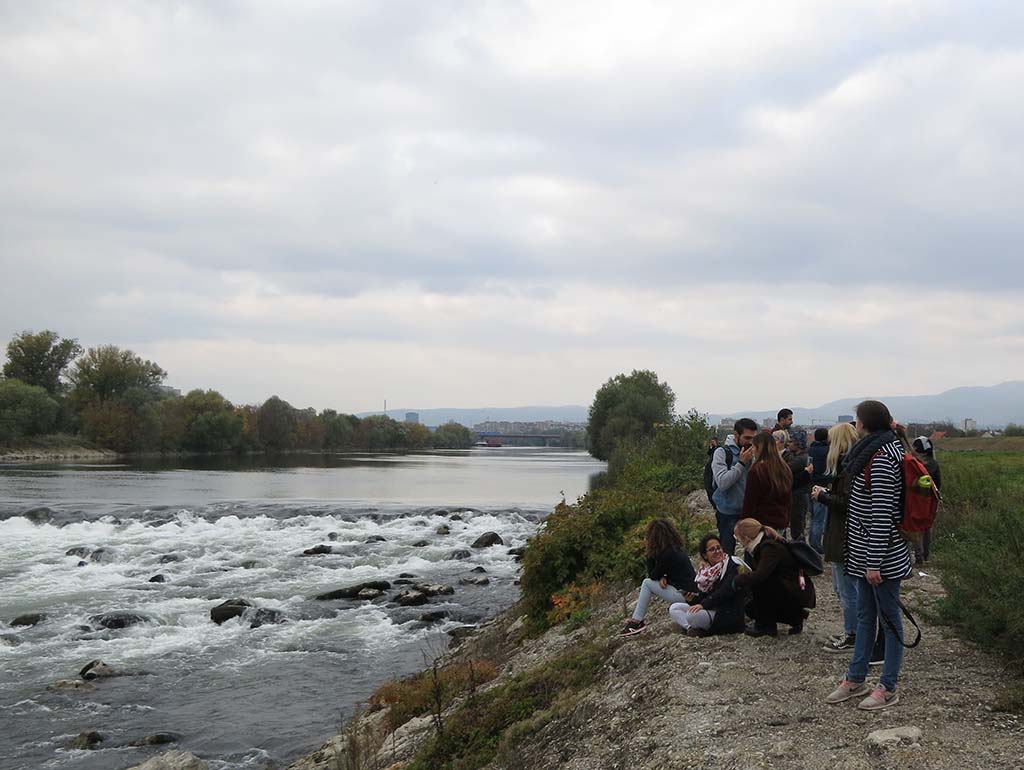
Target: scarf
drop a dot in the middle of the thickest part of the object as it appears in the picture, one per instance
(861, 453)
(709, 574)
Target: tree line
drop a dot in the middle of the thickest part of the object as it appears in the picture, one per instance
(117, 400)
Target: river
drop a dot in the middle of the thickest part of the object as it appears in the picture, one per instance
(243, 697)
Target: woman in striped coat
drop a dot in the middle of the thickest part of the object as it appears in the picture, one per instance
(876, 555)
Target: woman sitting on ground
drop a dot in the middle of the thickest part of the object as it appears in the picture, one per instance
(669, 570)
(717, 606)
(769, 489)
(780, 592)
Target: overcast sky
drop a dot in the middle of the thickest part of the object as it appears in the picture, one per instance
(502, 203)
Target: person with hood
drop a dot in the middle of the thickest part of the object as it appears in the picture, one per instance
(780, 592)
(729, 466)
(717, 606)
(877, 557)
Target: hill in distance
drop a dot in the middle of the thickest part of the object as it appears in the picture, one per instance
(993, 406)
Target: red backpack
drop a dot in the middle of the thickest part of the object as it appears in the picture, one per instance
(920, 498)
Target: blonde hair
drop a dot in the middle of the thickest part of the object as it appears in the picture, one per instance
(840, 438)
(747, 529)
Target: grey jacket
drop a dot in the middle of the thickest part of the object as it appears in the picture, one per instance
(730, 483)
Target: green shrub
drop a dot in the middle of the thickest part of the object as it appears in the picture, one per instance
(25, 410)
(419, 694)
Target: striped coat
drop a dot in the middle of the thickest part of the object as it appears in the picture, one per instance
(873, 541)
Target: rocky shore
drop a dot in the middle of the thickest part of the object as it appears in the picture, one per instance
(55, 455)
(663, 700)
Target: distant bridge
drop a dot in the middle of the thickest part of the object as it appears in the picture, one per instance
(495, 438)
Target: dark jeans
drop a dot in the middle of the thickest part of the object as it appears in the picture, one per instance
(922, 550)
(819, 517)
(798, 513)
(872, 600)
(726, 527)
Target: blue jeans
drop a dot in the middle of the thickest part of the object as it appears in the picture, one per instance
(651, 588)
(846, 589)
(726, 525)
(870, 601)
(819, 514)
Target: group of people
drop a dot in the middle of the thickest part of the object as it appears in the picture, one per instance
(766, 484)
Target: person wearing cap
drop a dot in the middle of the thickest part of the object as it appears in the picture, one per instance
(924, 450)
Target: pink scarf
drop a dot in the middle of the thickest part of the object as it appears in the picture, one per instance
(709, 574)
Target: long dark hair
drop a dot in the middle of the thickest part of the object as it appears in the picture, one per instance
(779, 474)
(662, 534)
(874, 416)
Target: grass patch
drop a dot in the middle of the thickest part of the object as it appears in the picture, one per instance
(499, 719)
(430, 691)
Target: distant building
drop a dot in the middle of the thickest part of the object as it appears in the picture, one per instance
(412, 416)
(845, 418)
(727, 422)
(970, 424)
(768, 422)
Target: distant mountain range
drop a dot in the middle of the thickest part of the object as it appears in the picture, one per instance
(471, 417)
(989, 406)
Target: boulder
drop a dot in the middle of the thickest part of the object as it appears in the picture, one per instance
(102, 556)
(474, 581)
(173, 760)
(81, 551)
(82, 564)
(72, 684)
(406, 575)
(263, 616)
(96, 669)
(83, 741)
(116, 620)
(39, 515)
(433, 589)
(411, 598)
(879, 740)
(169, 558)
(351, 592)
(421, 544)
(317, 550)
(158, 579)
(375, 539)
(369, 593)
(156, 739)
(435, 616)
(232, 608)
(517, 553)
(403, 582)
(30, 619)
(460, 553)
(333, 536)
(487, 539)
(455, 517)
(444, 529)
(480, 570)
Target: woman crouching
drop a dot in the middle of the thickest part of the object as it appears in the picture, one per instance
(780, 592)
(669, 569)
(717, 606)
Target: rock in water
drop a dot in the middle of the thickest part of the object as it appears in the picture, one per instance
(157, 739)
(80, 551)
(369, 593)
(232, 608)
(28, 620)
(517, 553)
(487, 539)
(478, 569)
(474, 581)
(460, 553)
(435, 616)
(71, 684)
(95, 669)
(351, 592)
(376, 539)
(173, 760)
(444, 529)
(39, 515)
(115, 620)
(411, 598)
(317, 550)
(9, 640)
(263, 617)
(433, 590)
(102, 556)
(158, 579)
(90, 740)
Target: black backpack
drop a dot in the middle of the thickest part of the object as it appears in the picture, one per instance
(709, 477)
(806, 557)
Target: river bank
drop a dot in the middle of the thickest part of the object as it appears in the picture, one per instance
(663, 700)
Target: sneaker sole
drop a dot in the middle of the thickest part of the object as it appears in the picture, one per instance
(892, 702)
(851, 696)
(830, 648)
(633, 632)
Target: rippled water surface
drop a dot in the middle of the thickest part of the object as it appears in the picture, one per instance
(238, 696)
